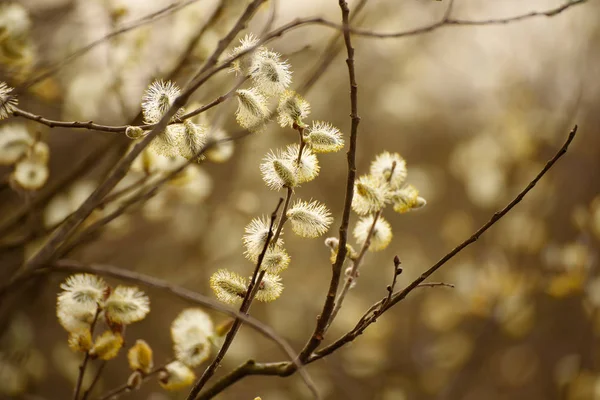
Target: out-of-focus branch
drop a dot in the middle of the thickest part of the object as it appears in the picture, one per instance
(376, 310)
(336, 269)
(88, 161)
(186, 55)
(71, 266)
(146, 19)
(119, 171)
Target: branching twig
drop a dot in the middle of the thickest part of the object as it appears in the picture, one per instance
(286, 369)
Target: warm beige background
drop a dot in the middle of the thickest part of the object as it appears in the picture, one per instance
(475, 111)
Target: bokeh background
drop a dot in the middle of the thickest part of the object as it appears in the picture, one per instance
(476, 111)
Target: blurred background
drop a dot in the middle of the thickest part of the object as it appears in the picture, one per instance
(476, 111)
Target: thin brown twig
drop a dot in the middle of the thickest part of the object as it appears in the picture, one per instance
(328, 306)
(246, 302)
(397, 297)
(284, 369)
(193, 43)
(88, 391)
(86, 358)
(357, 262)
(114, 393)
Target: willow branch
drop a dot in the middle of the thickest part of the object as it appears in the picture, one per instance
(328, 306)
(246, 302)
(367, 319)
(380, 307)
(119, 171)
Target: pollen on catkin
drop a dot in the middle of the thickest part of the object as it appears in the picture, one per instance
(307, 166)
(8, 102)
(292, 109)
(381, 168)
(322, 137)
(242, 64)
(334, 244)
(191, 332)
(255, 236)
(169, 142)
(370, 195)
(107, 345)
(381, 235)
(252, 112)
(278, 171)
(193, 140)
(276, 260)
(126, 305)
(82, 290)
(157, 99)
(228, 286)
(309, 219)
(80, 340)
(140, 357)
(270, 75)
(175, 376)
(270, 288)
(407, 199)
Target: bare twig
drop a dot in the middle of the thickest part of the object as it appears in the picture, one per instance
(328, 306)
(193, 43)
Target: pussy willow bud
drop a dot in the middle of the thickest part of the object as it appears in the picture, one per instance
(134, 132)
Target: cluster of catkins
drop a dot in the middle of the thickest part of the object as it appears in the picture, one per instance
(284, 168)
(383, 185)
(19, 149)
(87, 302)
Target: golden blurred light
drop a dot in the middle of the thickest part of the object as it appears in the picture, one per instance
(517, 365)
